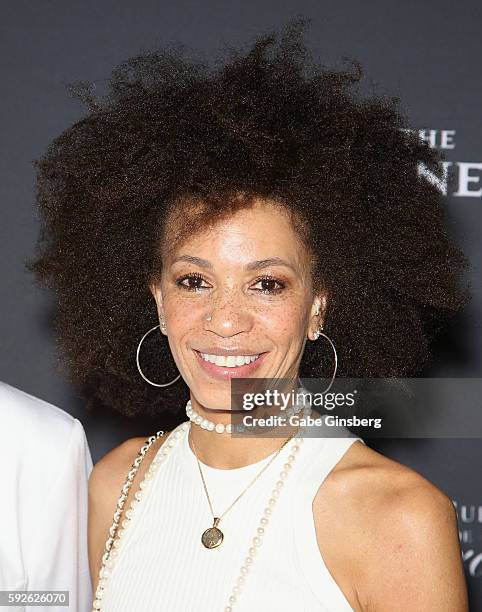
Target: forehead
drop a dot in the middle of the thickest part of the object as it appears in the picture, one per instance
(261, 231)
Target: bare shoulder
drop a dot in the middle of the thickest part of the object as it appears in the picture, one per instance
(364, 478)
(388, 535)
(105, 485)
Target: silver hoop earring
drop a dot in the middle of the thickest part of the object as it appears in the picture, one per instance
(317, 334)
(139, 367)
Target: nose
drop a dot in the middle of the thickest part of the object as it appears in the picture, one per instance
(228, 316)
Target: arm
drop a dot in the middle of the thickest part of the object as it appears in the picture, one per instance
(416, 561)
(389, 537)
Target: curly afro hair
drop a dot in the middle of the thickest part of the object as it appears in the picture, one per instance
(266, 121)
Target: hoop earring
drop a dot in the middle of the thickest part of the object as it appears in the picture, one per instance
(139, 367)
(317, 334)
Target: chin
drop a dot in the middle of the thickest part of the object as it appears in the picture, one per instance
(214, 398)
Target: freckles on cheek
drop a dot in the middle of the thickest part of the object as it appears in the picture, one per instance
(180, 312)
(184, 324)
(180, 306)
(284, 322)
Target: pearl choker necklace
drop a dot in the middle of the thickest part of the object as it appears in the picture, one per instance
(220, 428)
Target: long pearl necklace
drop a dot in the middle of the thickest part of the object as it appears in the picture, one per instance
(116, 536)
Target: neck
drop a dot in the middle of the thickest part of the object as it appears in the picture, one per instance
(223, 452)
(228, 451)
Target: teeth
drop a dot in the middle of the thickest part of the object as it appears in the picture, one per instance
(231, 361)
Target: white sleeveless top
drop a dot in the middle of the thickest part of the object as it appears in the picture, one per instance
(159, 562)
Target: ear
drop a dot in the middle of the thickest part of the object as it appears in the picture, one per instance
(155, 289)
(318, 313)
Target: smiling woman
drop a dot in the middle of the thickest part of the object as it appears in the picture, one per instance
(251, 277)
(242, 209)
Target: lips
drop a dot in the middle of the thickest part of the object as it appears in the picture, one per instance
(227, 366)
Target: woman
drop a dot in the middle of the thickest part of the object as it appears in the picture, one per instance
(241, 210)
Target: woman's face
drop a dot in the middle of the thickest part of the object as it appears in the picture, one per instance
(251, 276)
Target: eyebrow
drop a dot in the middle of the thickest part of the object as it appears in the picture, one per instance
(258, 264)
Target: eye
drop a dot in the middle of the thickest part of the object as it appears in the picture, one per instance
(268, 285)
(194, 282)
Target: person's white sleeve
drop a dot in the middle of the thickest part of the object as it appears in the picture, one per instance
(58, 552)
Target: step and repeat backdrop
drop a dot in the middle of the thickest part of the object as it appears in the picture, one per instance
(429, 54)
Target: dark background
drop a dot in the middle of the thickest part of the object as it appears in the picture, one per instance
(427, 53)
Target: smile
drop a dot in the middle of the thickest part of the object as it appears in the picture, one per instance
(224, 367)
(229, 361)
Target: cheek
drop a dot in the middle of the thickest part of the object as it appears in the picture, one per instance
(285, 324)
(183, 319)
(181, 311)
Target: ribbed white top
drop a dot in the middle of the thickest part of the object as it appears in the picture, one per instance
(161, 563)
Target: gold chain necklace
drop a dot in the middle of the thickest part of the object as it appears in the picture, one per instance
(213, 536)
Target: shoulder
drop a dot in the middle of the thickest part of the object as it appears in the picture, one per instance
(376, 484)
(397, 530)
(112, 468)
(109, 473)
(105, 484)
(19, 410)
(49, 434)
